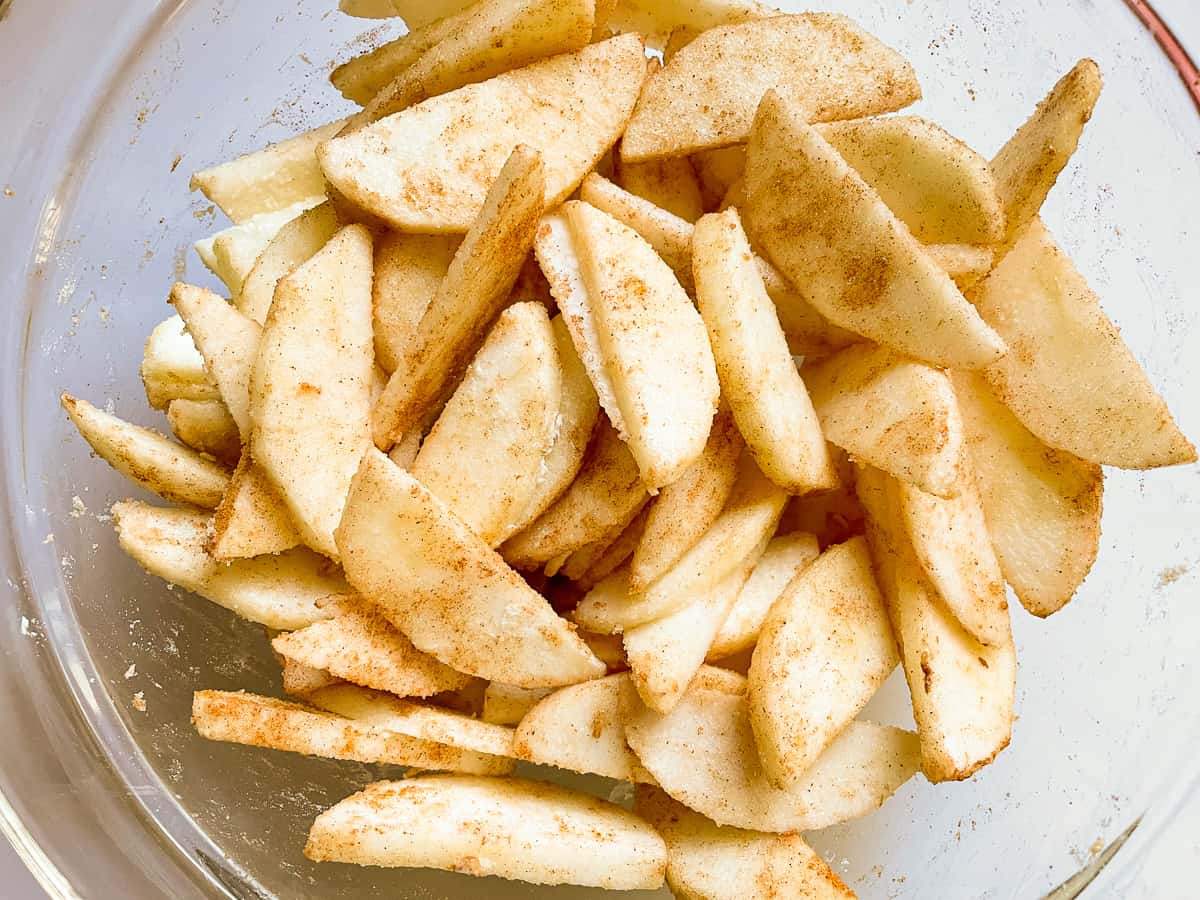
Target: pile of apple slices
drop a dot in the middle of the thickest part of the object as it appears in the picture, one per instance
(633, 418)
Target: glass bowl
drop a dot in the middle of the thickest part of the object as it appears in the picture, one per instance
(109, 105)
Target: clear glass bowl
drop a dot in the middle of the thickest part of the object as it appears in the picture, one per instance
(107, 107)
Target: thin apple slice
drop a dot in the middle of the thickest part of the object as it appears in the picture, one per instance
(504, 704)
(1027, 167)
(666, 393)
(706, 96)
(669, 184)
(836, 240)
(443, 587)
(894, 413)
(292, 246)
(579, 729)
(363, 648)
(714, 863)
(206, 427)
(310, 390)
(684, 511)
(228, 341)
(409, 270)
(484, 455)
(1071, 379)
(149, 459)
(703, 754)
(784, 559)
(240, 718)
(757, 373)
(962, 691)
(826, 647)
(502, 827)
(1043, 506)
(253, 519)
(172, 367)
(430, 167)
(288, 591)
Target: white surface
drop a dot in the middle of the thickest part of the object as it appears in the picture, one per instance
(1165, 874)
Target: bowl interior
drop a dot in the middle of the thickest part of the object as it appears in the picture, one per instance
(1107, 718)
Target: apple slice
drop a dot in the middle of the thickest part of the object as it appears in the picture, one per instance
(442, 586)
(253, 519)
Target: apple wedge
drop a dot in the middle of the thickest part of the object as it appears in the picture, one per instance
(894, 413)
(706, 96)
(228, 341)
(826, 647)
(944, 192)
(362, 77)
(685, 510)
(506, 828)
(1071, 379)
(206, 427)
(301, 681)
(1027, 167)
(707, 862)
(951, 542)
(784, 559)
(172, 367)
(430, 167)
(231, 254)
(283, 592)
(665, 655)
(310, 390)
(268, 180)
(599, 504)
(757, 373)
(579, 729)
(363, 648)
(427, 723)
(748, 519)
(590, 565)
(962, 691)
(666, 392)
(255, 721)
(476, 288)
(836, 240)
(483, 457)
(293, 245)
(669, 184)
(578, 413)
(487, 39)
(1042, 506)
(703, 754)
(504, 704)
(442, 586)
(252, 519)
(149, 459)
(409, 270)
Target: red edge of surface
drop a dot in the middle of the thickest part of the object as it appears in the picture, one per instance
(1171, 46)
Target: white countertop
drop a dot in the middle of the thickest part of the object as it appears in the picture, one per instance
(1167, 872)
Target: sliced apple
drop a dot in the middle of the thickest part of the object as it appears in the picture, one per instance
(483, 457)
(310, 391)
(504, 704)
(703, 754)
(292, 246)
(706, 96)
(1042, 506)
(579, 729)
(409, 270)
(206, 427)
(507, 828)
(444, 588)
(826, 647)
(149, 459)
(172, 367)
(669, 184)
(252, 520)
(430, 167)
(894, 413)
(836, 240)
(1071, 379)
(363, 648)
(962, 691)
(285, 592)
